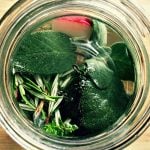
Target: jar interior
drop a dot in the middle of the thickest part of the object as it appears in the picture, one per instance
(26, 23)
(73, 76)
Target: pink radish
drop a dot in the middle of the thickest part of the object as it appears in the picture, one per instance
(74, 26)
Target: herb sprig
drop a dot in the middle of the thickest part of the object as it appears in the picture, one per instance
(34, 95)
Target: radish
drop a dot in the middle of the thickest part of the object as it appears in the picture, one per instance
(74, 26)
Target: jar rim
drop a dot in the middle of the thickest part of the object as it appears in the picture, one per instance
(141, 54)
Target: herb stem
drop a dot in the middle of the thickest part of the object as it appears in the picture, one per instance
(39, 109)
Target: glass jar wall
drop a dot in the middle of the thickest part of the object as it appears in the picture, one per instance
(123, 17)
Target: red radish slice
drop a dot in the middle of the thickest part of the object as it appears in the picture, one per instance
(74, 26)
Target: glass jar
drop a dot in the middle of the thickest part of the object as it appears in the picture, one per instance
(127, 19)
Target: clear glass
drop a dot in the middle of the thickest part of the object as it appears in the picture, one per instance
(123, 16)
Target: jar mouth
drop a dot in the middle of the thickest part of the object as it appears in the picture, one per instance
(123, 132)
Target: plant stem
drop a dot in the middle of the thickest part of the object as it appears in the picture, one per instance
(39, 109)
(54, 91)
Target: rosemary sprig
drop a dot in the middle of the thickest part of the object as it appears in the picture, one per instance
(36, 93)
(54, 91)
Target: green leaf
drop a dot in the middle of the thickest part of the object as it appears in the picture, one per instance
(99, 72)
(53, 129)
(123, 61)
(99, 34)
(44, 52)
(64, 129)
(101, 107)
(26, 107)
(24, 97)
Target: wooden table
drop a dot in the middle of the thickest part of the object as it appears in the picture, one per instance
(6, 143)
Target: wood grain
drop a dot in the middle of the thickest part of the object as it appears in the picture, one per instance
(6, 143)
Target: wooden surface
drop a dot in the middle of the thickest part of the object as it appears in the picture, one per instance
(6, 143)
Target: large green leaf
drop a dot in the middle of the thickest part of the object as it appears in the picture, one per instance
(44, 52)
(123, 61)
(101, 107)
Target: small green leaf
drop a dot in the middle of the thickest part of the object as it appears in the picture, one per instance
(26, 107)
(21, 89)
(44, 52)
(39, 82)
(99, 34)
(24, 97)
(123, 61)
(53, 129)
(57, 103)
(40, 95)
(18, 80)
(64, 128)
(31, 83)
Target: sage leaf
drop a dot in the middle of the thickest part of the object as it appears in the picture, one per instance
(99, 72)
(44, 52)
(99, 34)
(123, 61)
(101, 107)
